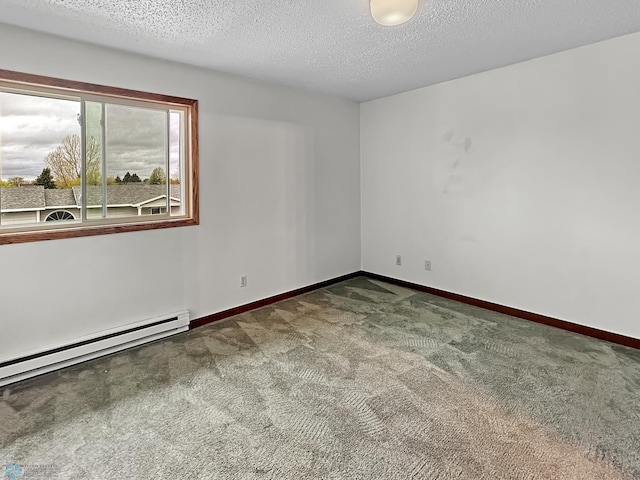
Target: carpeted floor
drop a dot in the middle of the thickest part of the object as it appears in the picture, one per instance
(361, 380)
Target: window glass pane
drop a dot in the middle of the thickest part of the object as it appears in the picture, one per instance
(39, 159)
(137, 161)
(96, 205)
(177, 165)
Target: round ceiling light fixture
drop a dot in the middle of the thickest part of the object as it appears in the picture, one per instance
(393, 12)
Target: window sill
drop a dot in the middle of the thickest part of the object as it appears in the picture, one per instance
(88, 231)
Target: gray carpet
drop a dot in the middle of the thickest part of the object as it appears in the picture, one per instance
(361, 380)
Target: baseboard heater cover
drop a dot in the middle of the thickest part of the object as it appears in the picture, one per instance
(85, 348)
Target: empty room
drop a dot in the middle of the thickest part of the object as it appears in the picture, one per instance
(340, 239)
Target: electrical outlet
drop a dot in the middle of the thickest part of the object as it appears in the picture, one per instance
(398, 260)
(427, 265)
(243, 281)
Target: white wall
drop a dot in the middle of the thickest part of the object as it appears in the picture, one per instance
(521, 185)
(280, 202)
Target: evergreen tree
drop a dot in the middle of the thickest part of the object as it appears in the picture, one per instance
(118, 179)
(135, 178)
(126, 178)
(46, 179)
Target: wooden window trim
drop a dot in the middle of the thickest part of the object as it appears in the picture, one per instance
(84, 230)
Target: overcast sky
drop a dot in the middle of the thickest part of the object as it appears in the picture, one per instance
(31, 127)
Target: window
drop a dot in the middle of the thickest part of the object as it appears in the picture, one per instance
(80, 159)
(59, 215)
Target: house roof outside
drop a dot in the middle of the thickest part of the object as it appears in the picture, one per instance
(132, 194)
(36, 197)
(29, 197)
(59, 197)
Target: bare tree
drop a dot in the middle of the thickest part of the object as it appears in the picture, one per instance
(175, 177)
(16, 181)
(65, 162)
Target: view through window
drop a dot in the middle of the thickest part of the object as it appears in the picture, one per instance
(72, 159)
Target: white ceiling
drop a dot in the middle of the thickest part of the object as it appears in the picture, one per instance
(333, 46)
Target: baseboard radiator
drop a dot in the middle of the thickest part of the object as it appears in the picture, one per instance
(81, 349)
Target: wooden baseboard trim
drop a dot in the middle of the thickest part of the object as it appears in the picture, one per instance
(216, 317)
(514, 312)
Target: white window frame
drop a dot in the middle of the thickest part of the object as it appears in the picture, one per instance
(37, 85)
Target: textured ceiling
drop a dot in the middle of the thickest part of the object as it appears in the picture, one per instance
(333, 46)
